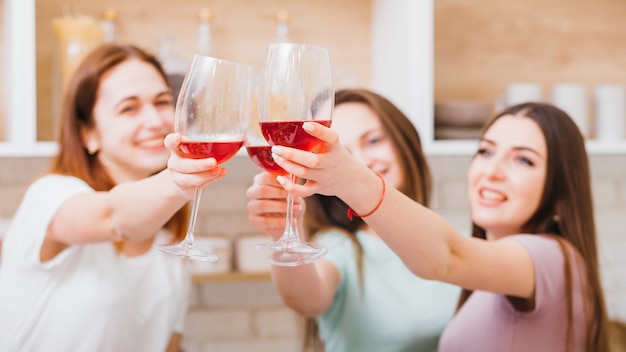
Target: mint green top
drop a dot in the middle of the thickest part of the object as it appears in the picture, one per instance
(395, 310)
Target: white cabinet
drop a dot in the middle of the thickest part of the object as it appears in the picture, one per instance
(403, 66)
(20, 82)
(402, 70)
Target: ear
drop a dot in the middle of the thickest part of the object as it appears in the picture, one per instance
(90, 139)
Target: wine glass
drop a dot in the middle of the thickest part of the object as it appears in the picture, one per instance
(212, 114)
(297, 87)
(259, 150)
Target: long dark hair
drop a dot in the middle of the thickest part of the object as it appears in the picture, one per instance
(324, 212)
(565, 210)
(73, 159)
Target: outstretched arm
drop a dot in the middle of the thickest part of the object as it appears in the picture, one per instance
(425, 241)
(308, 289)
(133, 210)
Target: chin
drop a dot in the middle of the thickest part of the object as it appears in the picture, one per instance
(482, 222)
(155, 154)
(152, 165)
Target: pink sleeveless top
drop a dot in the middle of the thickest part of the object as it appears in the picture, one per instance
(488, 322)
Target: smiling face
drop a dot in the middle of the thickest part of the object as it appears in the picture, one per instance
(361, 132)
(507, 176)
(133, 113)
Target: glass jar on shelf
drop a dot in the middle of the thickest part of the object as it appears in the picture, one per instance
(204, 40)
(109, 23)
(175, 65)
(282, 26)
(76, 35)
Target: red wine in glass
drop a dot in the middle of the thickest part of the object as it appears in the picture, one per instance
(291, 134)
(221, 151)
(297, 87)
(262, 156)
(213, 112)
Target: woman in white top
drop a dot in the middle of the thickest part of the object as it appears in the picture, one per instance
(80, 271)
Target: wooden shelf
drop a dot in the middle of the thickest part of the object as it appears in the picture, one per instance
(233, 276)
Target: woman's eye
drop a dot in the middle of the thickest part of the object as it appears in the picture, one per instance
(375, 140)
(167, 102)
(524, 160)
(127, 110)
(483, 152)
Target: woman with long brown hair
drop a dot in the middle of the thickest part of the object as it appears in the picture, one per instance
(360, 296)
(530, 270)
(80, 270)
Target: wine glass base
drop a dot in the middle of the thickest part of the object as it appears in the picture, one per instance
(292, 246)
(288, 258)
(188, 251)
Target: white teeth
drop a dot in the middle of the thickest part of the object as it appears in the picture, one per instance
(151, 143)
(490, 195)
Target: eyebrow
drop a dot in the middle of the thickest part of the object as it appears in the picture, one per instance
(516, 148)
(125, 99)
(136, 97)
(375, 130)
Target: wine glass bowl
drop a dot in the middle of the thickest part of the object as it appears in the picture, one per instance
(259, 150)
(212, 115)
(221, 151)
(290, 133)
(296, 88)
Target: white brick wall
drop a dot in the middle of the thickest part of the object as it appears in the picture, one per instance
(249, 316)
(240, 316)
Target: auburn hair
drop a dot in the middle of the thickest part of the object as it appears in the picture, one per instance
(73, 159)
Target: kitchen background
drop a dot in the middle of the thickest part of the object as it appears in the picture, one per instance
(478, 52)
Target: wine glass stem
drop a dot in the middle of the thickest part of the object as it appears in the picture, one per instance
(291, 233)
(189, 237)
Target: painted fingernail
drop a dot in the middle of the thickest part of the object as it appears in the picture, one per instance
(281, 180)
(308, 126)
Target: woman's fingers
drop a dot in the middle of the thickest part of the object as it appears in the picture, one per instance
(261, 207)
(267, 204)
(190, 173)
(268, 215)
(265, 179)
(179, 163)
(172, 141)
(273, 226)
(265, 186)
(327, 170)
(321, 132)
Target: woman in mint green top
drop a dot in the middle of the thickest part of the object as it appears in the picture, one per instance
(530, 270)
(360, 296)
(391, 310)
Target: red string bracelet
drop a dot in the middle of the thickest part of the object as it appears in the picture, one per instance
(351, 213)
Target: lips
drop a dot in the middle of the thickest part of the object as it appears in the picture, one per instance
(151, 143)
(492, 195)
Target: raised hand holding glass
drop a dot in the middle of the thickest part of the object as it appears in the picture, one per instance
(212, 114)
(297, 87)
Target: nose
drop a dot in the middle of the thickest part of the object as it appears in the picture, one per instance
(494, 168)
(153, 116)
